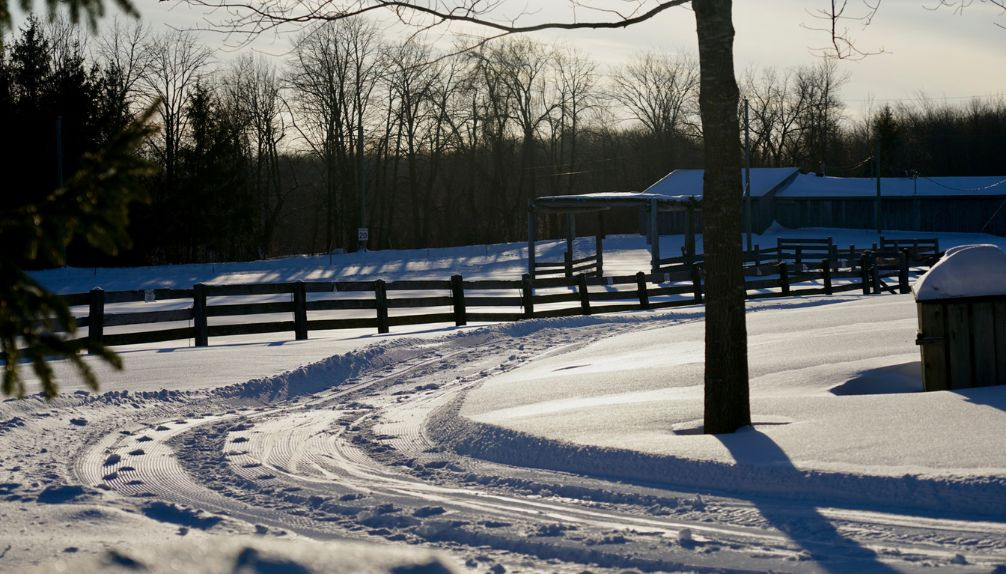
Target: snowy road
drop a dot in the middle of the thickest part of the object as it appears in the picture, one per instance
(359, 453)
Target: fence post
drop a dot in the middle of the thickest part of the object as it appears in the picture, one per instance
(826, 276)
(532, 229)
(757, 254)
(381, 296)
(864, 272)
(567, 263)
(599, 250)
(570, 237)
(875, 273)
(697, 283)
(654, 237)
(96, 316)
(458, 295)
(199, 322)
(784, 278)
(300, 311)
(903, 273)
(644, 297)
(798, 257)
(581, 287)
(527, 293)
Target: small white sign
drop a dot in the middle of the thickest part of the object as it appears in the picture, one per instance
(362, 233)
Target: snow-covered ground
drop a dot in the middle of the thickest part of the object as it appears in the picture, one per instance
(548, 445)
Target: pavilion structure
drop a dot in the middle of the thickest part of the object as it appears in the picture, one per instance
(649, 205)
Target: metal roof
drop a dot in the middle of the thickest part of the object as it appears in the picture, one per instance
(601, 201)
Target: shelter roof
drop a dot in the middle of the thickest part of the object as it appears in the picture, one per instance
(764, 180)
(811, 186)
(607, 200)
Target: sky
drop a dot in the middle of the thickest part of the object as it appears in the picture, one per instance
(945, 54)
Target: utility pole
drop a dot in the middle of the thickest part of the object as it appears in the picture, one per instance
(747, 176)
(59, 170)
(362, 234)
(876, 172)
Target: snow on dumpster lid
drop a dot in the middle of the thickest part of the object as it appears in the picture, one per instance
(965, 271)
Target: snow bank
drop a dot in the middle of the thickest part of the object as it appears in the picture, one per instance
(258, 555)
(965, 271)
(834, 398)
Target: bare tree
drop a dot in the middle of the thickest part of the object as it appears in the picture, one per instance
(411, 80)
(124, 49)
(524, 66)
(176, 63)
(776, 105)
(331, 79)
(661, 91)
(578, 96)
(490, 131)
(824, 111)
(793, 114)
(252, 94)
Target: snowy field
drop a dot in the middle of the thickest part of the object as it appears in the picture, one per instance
(554, 445)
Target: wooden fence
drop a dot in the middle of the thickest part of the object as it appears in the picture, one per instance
(460, 301)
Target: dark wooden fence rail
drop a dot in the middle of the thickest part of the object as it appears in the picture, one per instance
(462, 300)
(590, 265)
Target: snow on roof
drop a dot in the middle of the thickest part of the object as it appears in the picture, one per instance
(622, 195)
(689, 181)
(810, 185)
(609, 199)
(965, 271)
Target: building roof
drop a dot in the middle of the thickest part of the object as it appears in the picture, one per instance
(764, 180)
(683, 188)
(597, 201)
(811, 186)
(675, 191)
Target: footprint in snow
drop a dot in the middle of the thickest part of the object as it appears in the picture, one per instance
(112, 459)
(161, 428)
(137, 452)
(144, 438)
(240, 439)
(428, 511)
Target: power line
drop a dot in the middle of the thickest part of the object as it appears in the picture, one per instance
(967, 190)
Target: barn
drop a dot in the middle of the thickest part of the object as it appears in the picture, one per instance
(785, 196)
(964, 204)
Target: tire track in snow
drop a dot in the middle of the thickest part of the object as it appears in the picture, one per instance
(310, 446)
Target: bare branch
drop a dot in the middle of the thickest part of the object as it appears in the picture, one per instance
(842, 44)
(249, 18)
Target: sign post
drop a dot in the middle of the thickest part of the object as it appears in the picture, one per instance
(362, 236)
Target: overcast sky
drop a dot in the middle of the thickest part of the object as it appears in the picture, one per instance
(941, 53)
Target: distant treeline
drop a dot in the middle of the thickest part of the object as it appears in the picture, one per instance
(261, 157)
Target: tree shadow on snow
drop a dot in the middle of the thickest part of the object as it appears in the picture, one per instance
(800, 520)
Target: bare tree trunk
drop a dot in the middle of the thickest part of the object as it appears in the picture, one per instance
(726, 379)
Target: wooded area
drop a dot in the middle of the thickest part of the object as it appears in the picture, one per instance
(262, 157)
